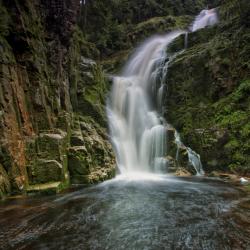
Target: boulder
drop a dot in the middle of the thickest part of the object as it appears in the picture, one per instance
(45, 171)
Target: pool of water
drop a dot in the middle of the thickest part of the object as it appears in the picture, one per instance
(131, 213)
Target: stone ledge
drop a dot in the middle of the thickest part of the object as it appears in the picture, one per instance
(46, 188)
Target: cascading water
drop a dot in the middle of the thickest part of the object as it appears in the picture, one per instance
(138, 132)
(205, 18)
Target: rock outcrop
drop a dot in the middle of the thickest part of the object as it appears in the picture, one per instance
(208, 102)
(47, 86)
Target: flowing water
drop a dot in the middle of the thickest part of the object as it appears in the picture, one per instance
(205, 18)
(153, 213)
(139, 209)
(138, 130)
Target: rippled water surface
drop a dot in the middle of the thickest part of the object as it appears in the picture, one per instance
(158, 213)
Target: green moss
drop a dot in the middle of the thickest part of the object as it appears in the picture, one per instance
(79, 161)
(232, 145)
(248, 187)
(91, 158)
(209, 102)
(44, 171)
(114, 63)
(84, 47)
(5, 20)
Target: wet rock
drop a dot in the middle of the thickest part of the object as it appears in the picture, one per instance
(53, 145)
(90, 158)
(76, 138)
(170, 134)
(5, 187)
(47, 158)
(183, 172)
(171, 144)
(182, 156)
(171, 164)
(177, 45)
(79, 161)
(45, 171)
(45, 189)
(86, 64)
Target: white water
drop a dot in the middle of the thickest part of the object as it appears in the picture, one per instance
(205, 18)
(138, 131)
(193, 157)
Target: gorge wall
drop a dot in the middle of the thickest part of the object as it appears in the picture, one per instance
(52, 116)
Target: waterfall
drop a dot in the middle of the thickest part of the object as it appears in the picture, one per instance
(205, 18)
(138, 131)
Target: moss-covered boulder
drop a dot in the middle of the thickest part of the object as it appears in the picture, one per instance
(90, 156)
(47, 158)
(45, 171)
(79, 161)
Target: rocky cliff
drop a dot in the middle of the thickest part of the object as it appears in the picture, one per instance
(208, 102)
(52, 118)
(53, 128)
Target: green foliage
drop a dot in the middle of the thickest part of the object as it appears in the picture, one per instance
(232, 145)
(233, 113)
(4, 20)
(245, 131)
(108, 23)
(215, 73)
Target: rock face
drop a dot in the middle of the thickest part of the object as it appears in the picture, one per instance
(53, 129)
(208, 102)
(47, 86)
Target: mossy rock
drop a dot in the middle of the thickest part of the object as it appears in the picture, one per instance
(161, 25)
(76, 138)
(5, 20)
(78, 161)
(50, 188)
(52, 145)
(45, 171)
(5, 186)
(90, 156)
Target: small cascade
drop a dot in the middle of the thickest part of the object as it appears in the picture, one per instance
(186, 40)
(193, 158)
(138, 130)
(195, 161)
(204, 19)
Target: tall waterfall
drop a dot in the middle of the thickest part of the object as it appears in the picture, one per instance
(138, 131)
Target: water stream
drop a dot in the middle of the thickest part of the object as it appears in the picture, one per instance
(138, 130)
